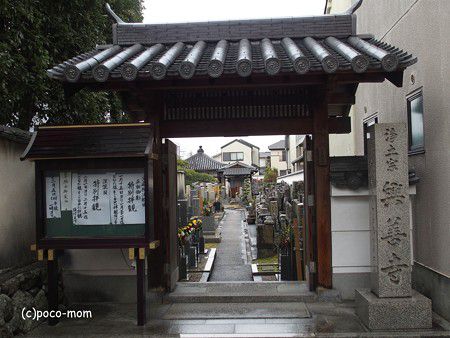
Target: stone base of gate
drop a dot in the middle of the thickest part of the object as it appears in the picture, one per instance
(393, 313)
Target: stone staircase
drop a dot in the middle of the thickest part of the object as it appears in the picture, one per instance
(241, 292)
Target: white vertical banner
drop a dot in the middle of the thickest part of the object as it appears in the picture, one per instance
(65, 179)
(52, 196)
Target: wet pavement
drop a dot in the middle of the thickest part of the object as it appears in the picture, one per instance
(230, 264)
(324, 320)
(241, 308)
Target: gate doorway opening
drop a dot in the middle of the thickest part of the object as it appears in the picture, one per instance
(239, 238)
(233, 201)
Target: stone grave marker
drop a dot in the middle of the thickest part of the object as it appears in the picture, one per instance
(195, 206)
(391, 303)
(182, 213)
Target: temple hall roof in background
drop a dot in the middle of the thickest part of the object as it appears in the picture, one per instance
(202, 162)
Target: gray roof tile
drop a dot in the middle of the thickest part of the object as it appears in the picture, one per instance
(278, 145)
(202, 162)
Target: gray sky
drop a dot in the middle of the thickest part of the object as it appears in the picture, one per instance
(163, 11)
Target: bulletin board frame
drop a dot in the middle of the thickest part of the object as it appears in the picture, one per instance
(85, 164)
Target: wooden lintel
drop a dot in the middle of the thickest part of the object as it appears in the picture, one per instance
(341, 98)
(245, 127)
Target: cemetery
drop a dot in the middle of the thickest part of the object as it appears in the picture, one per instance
(122, 228)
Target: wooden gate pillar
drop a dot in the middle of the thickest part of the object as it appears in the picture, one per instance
(321, 153)
(155, 263)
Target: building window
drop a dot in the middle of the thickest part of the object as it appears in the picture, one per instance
(283, 172)
(233, 156)
(370, 122)
(415, 122)
(283, 155)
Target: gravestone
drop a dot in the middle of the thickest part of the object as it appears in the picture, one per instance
(223, 193)
(297, 190)
(273, 209)
(195, 206)
(391, 303)
(188, 194)
(298, 209)
(288, 211)
(265, 240)
(182, 213)
(209, 224)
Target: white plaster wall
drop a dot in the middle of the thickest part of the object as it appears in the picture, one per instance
(255, 156)
(290, 178)
(350, 230)
(238, 147)
(291, 153)
(17, 205)
(275, 160)
(344, 144)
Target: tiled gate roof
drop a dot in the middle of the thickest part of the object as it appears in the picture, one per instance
(324, 44)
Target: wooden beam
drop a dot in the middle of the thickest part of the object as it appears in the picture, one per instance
(396, 78)
(245, 127)
(322, 202)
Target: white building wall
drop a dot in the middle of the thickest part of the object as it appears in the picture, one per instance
(350, 237)
(238, 147)
(291, 153)
(255, 156)
(291, 178)
(276, 160)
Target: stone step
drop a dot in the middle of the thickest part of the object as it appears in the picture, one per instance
(241, 292)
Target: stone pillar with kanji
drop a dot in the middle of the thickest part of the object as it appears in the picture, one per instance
(391, 303)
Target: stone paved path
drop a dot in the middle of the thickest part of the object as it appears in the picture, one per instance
(229, 264)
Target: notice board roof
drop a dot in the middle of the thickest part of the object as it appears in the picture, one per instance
(90, 141)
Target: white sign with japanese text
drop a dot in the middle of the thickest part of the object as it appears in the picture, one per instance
(127, 199)
(53, 198)
(90, 199)
(65, 179)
